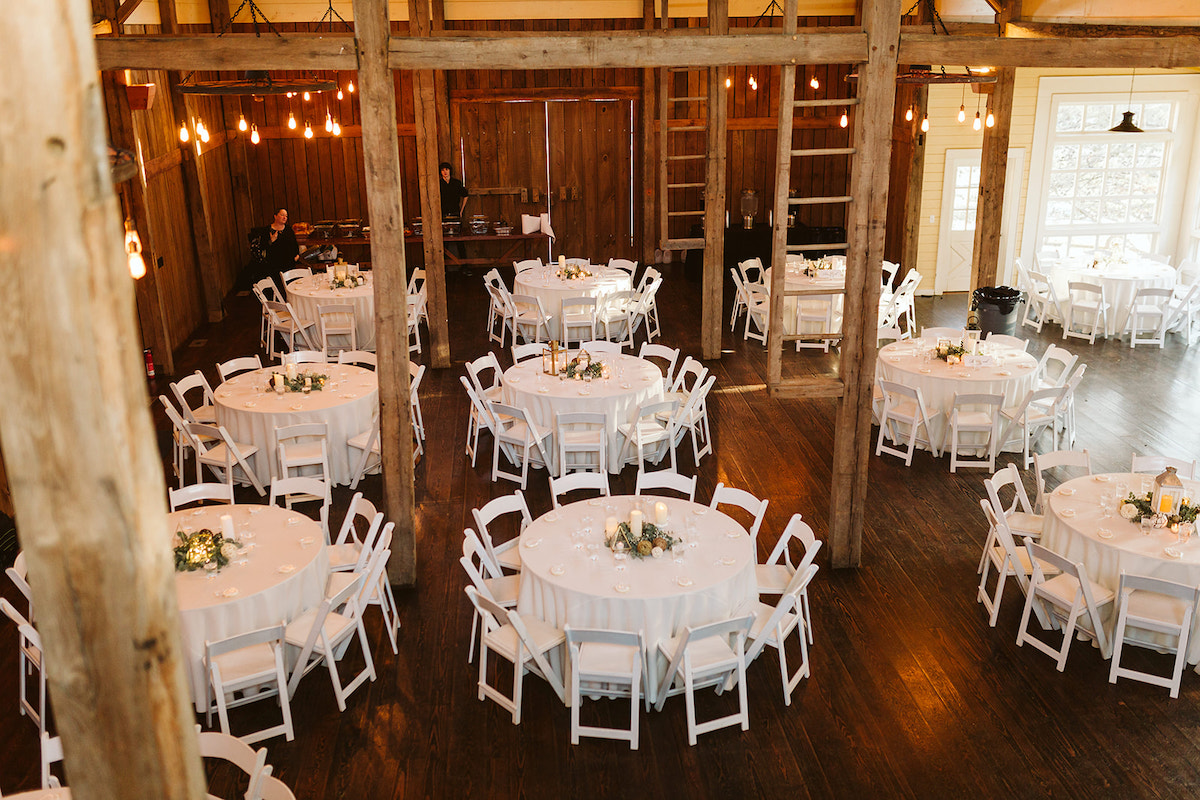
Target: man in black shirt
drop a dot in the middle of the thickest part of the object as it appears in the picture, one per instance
(454, 194)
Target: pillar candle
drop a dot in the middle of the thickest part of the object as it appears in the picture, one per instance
(227, 526)
(610, 527)
(635, 523)
(562, 261)
(290, 369)
(660, 514)
(278, 381)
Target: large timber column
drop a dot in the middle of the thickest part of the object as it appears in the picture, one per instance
(714, 192)
(381, 162)
(87, 479)
(866, 229)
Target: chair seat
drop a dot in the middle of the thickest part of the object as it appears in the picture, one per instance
(304, 453)
(298, 629)
(339, 581)
(246, 664)
(996, 554)
(205, 414)
(510, 558)
(360, 441)
(344, 556)
(907, 411)
(1063, 587)
(1155, 607)
(543, 636)
(710, 653)
(1020, 522)
(600, 660)
(516, 432)
(762, 615)
(650, 431)
(972, 420)
(218, 452)
(773, 578)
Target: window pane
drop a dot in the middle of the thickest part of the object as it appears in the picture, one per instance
(958, 221)
(1089, 184)
(962, 176)
(1120, 156)
(1116, 182)
(1062, 184)
(1070, 118)
(1142, 241)
(971, 219)
(1156, 116)
(1093, 156)
(1086, 212)
(1058, 212)
(1065, 156)
(960, 198)
(1098, 117)
(1151, 154)
(1146, 182)
(1143, 210)
(1115, 211)
(975, 176)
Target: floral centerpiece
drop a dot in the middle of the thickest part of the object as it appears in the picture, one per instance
(811, 268)
(951, 353)
(572, 272)
(293, 381)
(653, 540)
(196, 550)
(580, 368)
(1137, 508)
(342, 280)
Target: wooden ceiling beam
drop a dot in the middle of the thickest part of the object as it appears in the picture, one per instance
(1078, 53)
(589, 51)
(1026, 29)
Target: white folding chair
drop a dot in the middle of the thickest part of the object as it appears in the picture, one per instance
(216, 450)
(1149, 312)
(528, 263)
(1070, 600)
(623, 264)
(504, 555)
(19, 576)
(531, 321)
(1009, 560)
(931, 334)
(1156, 464)
(666, 479)
(581, 434)
(707, 655)
(415, 373)
(1087, 307)
(1054, 368)
(304, 447)
(773, 624)
(903, 405)
(337, 320)
(303, 490)
(1160, 608)
(294, 274)
(651, 434)
(1041, 303)
(740, 299)
(375, 588)
(597, 481)
(1037, 412)
(758, 312)
(521, 439)
(601, 347)
(478, 419)
(350, 547)
(29, 661)
(251, 664)
(977, 414)
(729, 495)
(370, 452)
(688, 379)
(181, 441)
(236, 366)
(205, 411)
(525, 643)
(693, 415)
(752, 271)
(198, 492)
(577, 314)
(668, 354)
(253, 763)
(1003, 340)
(414, 311)
(1066, 408)
(610, 664)
(645, 311)
(814, 314)
(285, 322)
(525, 352)
(1019, 514)
(890, 268)
(613, 312)
(774, 574)
(361, 358)
(1043, 462)
(266, 290)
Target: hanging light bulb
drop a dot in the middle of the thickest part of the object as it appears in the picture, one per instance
(253, 134)
(183, 133)
(307, 97)
(814, 83)
(753, 84)
(308, 134)
(242, 126)
(328, 123)
(133, 249)
(290, 95)
(350, 87)
(844, 121)
(991, 120)
(291, 120)
(339, 94)
(978, 123)
(908, 115)
(925, 124)
(728, 82)
(962, 114)
(337, 129)
(202, 131)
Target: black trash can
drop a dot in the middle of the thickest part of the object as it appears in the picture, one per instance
(995, 308)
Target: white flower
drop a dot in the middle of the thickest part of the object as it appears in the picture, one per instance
(1160, 520)
(229, 550)
(1128, 510)
(657, 552)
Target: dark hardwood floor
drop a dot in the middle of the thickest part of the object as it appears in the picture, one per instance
(911, 694)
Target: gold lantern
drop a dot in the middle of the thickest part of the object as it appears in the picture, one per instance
(584, 359)
(550, 359)
(1168, 492)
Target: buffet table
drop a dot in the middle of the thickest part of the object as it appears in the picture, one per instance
(569, 577)
(307, 295)
(280, 573)
(542, 283)
(631, 383)
(251, 413)
(1076, 527)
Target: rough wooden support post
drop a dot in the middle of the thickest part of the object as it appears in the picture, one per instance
(714, 192)
(426, 114)
(381, 162)
(913, 190)
(646, 141)
(866, 228)
(87, 479)
(783, 175)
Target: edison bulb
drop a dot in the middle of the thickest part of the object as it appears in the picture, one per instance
(137, 266)
(977, 124)
(183, 133)
(814, 83)
(991, 120)
(844, 121)
(328, 123)
(337, 129)
(254, 135)
(291, 120)
(962, 113)
(203, 131)
(290, 95)
(908, 115)
(242, 126)
(350, 87)
(308, 134)
(307, 97)
(728, 82)
(339, 94)
(925, 124)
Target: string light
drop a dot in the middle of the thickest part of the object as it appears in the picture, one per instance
(242, 126)
(925, 124)
(962, 114)
(844, 121)
(814, 83)
(728, 82)
(290, 95)
(253, 134)
(350, 87)
(339, 94)
(133, 249)
(308, 134)
(753, 83)
(991, 120)
(337, 129)
(202, 131)
(307, 97)
(291, 120)
(908, 115)
(183, 133)
(328, 122)
(977, 124)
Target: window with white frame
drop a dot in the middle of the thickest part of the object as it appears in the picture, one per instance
(1105, 190)
(966, 195)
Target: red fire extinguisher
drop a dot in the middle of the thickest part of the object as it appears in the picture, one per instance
(149, 362)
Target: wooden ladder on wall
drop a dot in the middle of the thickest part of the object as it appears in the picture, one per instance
(812, 385)
(681, 191)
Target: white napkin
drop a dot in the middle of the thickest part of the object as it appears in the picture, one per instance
(546, 226)
(530, 224)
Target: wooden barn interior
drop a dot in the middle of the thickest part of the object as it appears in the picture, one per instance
(640, 129)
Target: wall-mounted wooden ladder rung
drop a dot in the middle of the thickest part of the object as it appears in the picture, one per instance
(797, 248)
(687, 99)
(699, 213)
(833, 101)
(682, 128)
(679, 190)
(813, 201)
(692, 157)
(825, 151)
(699, 185)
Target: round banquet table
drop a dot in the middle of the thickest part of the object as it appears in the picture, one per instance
(346, 405)
(562, 584)
(632, 382)
(1013, 374)
(832, 282)
(281, 574)
(541, 282)
(1121, 282)
(1075, 528)
(306, 294)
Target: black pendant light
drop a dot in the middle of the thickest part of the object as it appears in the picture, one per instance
(1126, 124)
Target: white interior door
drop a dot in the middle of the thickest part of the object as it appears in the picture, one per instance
(960, 193)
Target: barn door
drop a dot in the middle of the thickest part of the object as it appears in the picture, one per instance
(591, 177)
(503, 150)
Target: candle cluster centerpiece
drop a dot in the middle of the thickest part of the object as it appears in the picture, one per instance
(570, 272)
(950, 353)
(344, 276)
(292, 380)
(823, 264)
(557, 360)
(638, 536)
(205, 549)
(1164, 505)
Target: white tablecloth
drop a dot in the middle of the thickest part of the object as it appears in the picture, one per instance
(632, 382)
(1013, 375)
(562, 585)
(1120, 281)
(306, 294)
(540, 282)
(1073, 526)
(346, 405)
(284, 574)
(797, 280)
